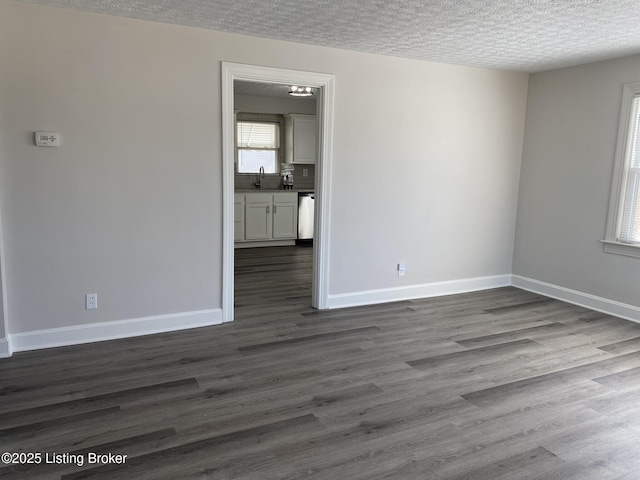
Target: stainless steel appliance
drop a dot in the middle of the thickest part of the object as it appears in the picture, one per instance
(305, 217)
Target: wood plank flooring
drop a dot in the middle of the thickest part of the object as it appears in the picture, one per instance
(499, 384)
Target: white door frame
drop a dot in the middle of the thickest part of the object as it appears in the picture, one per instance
(325, 85)
(5, 342)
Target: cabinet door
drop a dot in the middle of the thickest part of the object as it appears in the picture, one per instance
(238, 219)
(238, 222)
(258, 221)
(305, 138)
(285, 220)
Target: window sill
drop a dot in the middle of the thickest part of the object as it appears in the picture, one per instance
(627, 249)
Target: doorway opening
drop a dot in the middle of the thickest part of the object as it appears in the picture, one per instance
(237, 74)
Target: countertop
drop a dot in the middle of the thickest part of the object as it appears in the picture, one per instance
(273, 190)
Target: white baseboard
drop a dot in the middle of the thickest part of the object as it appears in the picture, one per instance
(599, 304)
(98, 332)
(268, 243)
(5, 348)
(411, 292)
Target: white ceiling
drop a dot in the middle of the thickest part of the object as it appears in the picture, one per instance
(523, 35)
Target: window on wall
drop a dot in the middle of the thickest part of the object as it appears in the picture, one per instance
(623, 224)
(257, 144)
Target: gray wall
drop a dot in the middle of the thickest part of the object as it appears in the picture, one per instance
(3, 306)
(262, 104)
(567, 165)
(426, 165)
(127, 205)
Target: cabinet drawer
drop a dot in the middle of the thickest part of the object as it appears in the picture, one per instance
(258, 198)
(289, 197)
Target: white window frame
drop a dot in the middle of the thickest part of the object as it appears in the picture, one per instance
(612, 243)
(275, 150)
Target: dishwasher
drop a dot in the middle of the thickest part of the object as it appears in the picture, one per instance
(305, 218)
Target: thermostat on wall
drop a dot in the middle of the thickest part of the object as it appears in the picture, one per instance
(47, 139)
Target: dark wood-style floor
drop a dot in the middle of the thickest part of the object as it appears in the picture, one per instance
(500, 384)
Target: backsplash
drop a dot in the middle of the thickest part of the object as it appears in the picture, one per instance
(247, 181)
(305, 183)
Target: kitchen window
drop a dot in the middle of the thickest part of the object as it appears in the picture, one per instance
(623, 223)
(257, 144)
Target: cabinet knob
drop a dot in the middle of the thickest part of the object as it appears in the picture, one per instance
(275, 209)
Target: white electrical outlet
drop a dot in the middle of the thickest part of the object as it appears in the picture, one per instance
(402, 268)
(305, 172)
(91, 300)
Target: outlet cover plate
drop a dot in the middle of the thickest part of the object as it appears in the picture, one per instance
(91, 301)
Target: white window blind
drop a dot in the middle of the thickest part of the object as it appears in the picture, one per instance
(258, 144)
(629, 214)
(257, 135)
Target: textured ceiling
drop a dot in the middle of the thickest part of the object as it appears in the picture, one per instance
(524, 35)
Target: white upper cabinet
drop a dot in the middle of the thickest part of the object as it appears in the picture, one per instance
(301, 138)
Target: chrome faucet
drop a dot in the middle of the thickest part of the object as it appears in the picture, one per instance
(260, 177)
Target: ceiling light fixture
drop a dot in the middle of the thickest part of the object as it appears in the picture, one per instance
(296, 91)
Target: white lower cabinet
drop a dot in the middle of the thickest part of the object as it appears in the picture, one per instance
(238, 216)
(285, 216)
(257, 217)
(268, 216)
